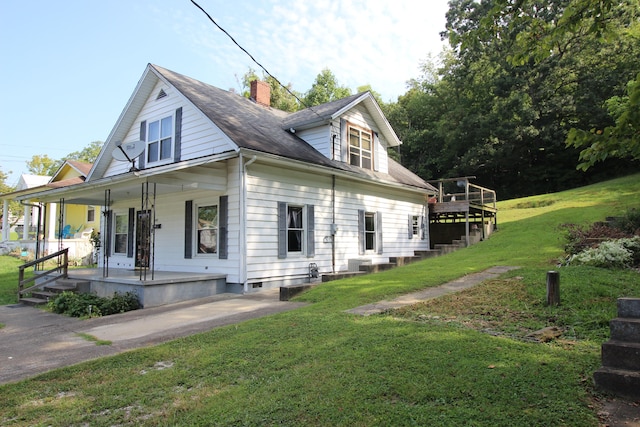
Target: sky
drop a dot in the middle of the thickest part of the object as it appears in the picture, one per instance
(68, 67)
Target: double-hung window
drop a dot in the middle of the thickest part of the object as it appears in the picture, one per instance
(121, 234)
(369, 232)
(160, 140)
(360, 151)
(295, 230)
(207, 229)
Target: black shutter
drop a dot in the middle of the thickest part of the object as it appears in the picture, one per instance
(132, 223)
(344, 142)
(188, 229)
(379, 232)
(223, 220)
(143, 137)
(282, 230)
(361, 240)
(177, 147)
(423, 228)
(311, 242)
(410, 227)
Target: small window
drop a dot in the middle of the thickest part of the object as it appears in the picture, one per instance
(159, 140)
(415, 225)
(370, 231)
(360, 152)
(91, 213)
(207, 229)
(121, 234)
(295, 229)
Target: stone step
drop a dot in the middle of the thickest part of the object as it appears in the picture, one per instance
(445, 248)
(618, 381)
(621, 355)
(625, 329)
(44, 295)
(629, 308)
(328, 277)
(428, 254)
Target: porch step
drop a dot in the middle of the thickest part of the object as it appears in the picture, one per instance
(621, 355)
(618, 381)
(428, 254)
(68, 284)
(33, 301)
(374, 268)
(404, 260)
(328, 277)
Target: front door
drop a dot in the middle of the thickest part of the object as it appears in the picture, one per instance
(143, 238)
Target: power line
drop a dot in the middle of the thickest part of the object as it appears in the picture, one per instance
(253, 59)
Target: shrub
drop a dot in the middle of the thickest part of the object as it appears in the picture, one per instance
(619, 253)
(629, 223)
(91, 305)
(579, 238)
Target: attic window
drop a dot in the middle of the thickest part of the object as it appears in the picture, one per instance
(161, 94)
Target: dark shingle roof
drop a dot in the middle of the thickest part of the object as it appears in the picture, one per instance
(255, 127)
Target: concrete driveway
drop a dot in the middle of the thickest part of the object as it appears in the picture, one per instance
(34, 341)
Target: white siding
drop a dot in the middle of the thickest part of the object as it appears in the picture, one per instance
(319, 138)
(200, 137)
(268, 185)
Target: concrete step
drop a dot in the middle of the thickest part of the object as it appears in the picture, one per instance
(32, 301)
(328, 277)
(44, 295)
(374, 268)
(625, 329)
(629, 308)
(621, 355)
(428, 254)
(404, 260)
(618, 381)
(446, 248)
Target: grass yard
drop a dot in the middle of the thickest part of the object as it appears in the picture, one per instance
(463, 359)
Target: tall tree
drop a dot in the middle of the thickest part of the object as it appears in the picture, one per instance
(43, 165)
(282, 98)
(324, 89)
(88, 154)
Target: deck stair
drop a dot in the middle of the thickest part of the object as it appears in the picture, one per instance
(620, 371)
(50, 291)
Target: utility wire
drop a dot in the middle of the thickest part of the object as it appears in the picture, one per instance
(253, 59)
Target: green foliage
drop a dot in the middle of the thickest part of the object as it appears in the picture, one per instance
(91, 305)
(629, 222)
(324, 89)
(88, 154)
(618, 253)
(43, 165)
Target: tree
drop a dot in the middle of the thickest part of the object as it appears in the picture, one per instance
(88, 154)
(621, 140)
(282, 98)
(325, 89)
(43, 165)
(15, 208)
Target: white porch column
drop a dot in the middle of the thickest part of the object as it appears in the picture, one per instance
(51, 228)
(5, 220)
(27, 222)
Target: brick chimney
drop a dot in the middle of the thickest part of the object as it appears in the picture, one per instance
(261, 92)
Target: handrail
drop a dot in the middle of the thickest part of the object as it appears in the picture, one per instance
(64, 266)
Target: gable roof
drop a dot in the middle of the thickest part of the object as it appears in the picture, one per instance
(256, 128)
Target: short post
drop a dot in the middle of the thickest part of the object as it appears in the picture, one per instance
(553, 288)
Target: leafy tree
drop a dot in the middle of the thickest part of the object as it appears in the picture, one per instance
(620, 140)
(324, 89)
(281, 98)
(88, 154)
(43, 165)
(14, 207)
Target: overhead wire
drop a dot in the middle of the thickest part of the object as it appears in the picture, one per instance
(253, 59)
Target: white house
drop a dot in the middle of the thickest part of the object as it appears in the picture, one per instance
(229, 186)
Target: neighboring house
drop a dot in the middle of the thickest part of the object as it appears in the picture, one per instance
(227, 185)
(48, 227)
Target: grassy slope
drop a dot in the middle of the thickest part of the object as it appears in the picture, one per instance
(427, 365)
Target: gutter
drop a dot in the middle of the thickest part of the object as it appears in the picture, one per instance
(243, 219)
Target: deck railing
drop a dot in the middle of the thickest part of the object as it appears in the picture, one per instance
(62, 268)
(460, 189)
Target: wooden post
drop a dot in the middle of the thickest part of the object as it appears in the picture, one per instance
(553, 288)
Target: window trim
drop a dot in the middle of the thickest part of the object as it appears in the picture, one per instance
(196, 229)
(148, 142)
(359, 148)
(91, 209)
(126, 233)
(307, 232)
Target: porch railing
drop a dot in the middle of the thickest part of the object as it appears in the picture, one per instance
(468, 192)
(62, 268)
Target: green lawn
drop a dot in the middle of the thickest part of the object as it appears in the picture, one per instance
(463, 359)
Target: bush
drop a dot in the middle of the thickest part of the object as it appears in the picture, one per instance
(91, 305)
(629, 223)
(579, 238)
(619, 253)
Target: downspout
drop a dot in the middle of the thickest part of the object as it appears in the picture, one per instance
(243, 220)
(333, 223)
